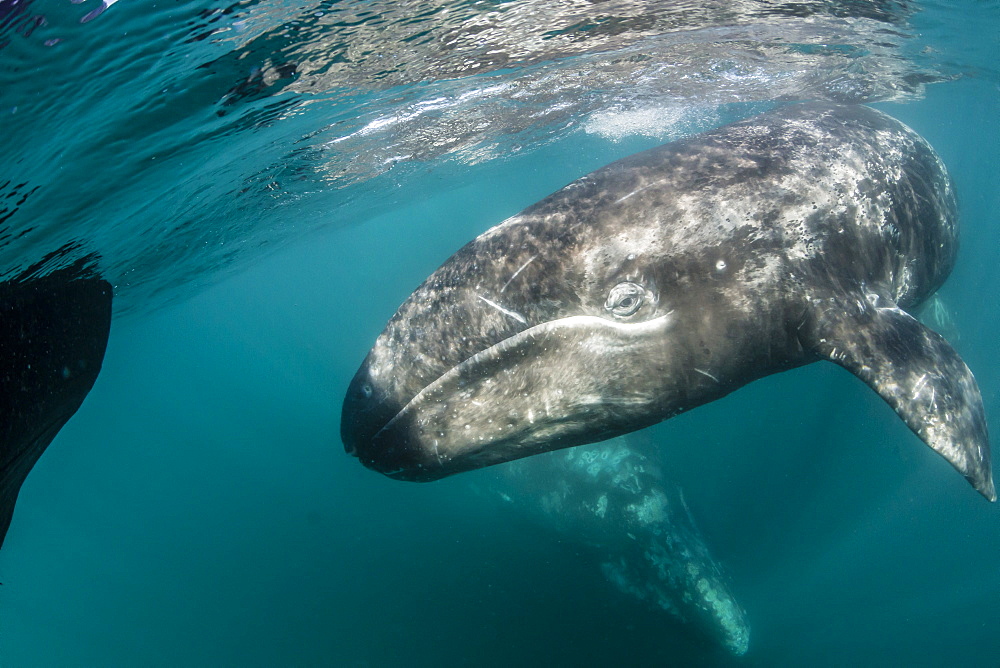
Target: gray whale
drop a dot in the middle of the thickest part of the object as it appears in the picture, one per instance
(671, 278)
(613, 499)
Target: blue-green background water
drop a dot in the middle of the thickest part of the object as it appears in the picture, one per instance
(199, 509)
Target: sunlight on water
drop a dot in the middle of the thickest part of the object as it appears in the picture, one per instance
(231, 117)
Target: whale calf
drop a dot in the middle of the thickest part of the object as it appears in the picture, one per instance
(667, 280)
(613, 499)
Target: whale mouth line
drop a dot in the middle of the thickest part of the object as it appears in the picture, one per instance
(524, 338)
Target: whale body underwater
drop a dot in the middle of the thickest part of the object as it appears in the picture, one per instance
(619, 510)
(671, 278)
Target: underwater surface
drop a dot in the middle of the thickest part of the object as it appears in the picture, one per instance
(263, 183)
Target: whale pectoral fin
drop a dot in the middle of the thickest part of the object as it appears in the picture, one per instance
(917, 373)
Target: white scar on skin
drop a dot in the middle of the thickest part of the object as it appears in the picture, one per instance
(530, 260)
(705, 373)
(639, 190)
(512, 314)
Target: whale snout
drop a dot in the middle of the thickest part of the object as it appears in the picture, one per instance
(364, 413)
(561, 383)
(370, 428)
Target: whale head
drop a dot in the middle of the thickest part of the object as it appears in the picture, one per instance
(507, 350)
(558, 327)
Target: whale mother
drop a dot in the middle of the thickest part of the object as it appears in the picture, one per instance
(671, 278)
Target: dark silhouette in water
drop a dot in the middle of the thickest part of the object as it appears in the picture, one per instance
(53, 333)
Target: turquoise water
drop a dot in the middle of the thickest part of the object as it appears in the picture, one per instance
(199, 509)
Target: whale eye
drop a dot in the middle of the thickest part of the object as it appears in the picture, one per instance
(624, 299)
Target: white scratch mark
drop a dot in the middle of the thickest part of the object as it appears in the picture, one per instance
(705, 373)
(530, 260)
(639, 190)
(512, 314)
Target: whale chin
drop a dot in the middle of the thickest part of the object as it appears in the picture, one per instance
(559, 384)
